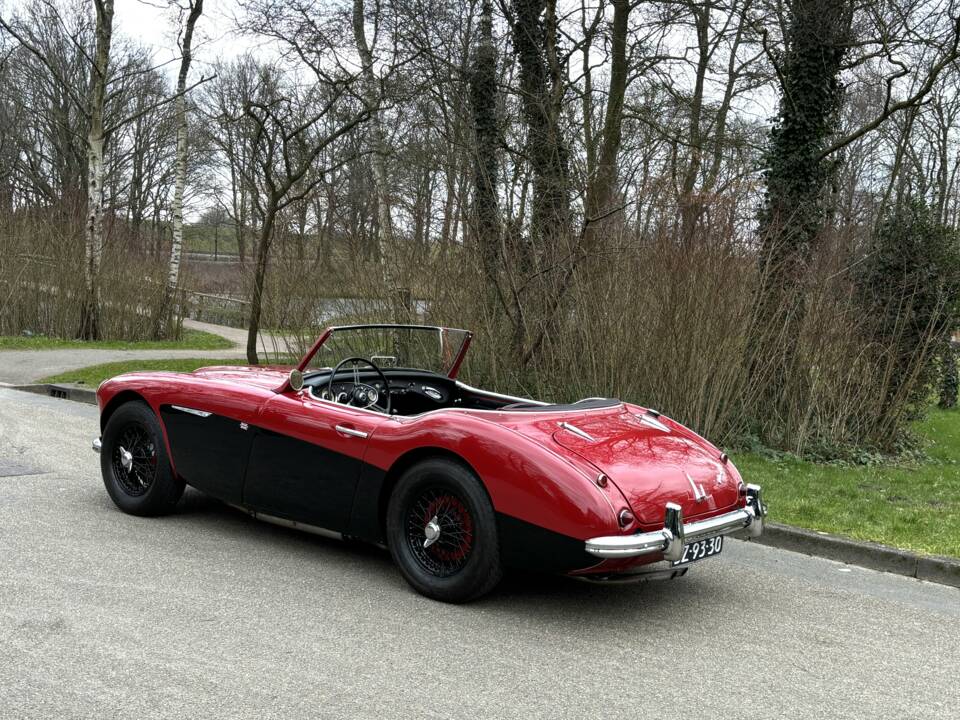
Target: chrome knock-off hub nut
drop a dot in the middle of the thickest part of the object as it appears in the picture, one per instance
(431, 532)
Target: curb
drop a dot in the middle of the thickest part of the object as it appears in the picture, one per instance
(65, 392)
(942, 570)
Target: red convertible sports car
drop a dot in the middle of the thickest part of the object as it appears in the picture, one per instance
(372, 437)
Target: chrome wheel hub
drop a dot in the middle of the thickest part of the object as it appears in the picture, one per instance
(431, 532)
(126, 459)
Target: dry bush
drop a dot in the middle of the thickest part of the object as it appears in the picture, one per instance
(663, 323)
(41, 284)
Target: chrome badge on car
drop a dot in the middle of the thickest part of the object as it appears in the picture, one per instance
(699, 494)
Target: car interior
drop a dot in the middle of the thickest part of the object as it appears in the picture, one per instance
(412, 392)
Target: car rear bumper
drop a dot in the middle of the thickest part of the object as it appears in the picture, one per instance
(675, 533)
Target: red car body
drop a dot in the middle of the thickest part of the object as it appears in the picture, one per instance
(557, 476)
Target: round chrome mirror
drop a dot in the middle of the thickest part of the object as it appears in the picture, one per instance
(296, 380)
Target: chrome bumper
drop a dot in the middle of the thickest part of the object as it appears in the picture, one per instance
(97, 445)
(676, 533)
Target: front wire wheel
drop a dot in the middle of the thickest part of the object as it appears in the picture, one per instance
(134, 464)
(442, 531)
(134, 459)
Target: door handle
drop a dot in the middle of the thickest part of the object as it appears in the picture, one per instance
(352, 432)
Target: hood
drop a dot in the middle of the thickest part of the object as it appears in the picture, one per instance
(651, 460)
(266, 376)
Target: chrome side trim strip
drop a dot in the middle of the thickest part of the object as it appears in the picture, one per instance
(353, 432)
(293, 524)
(192, 411)
(577, 431)
(497, 396)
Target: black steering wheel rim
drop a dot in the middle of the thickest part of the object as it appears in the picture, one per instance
(370, 363)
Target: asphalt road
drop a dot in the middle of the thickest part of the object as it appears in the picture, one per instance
(207, 614)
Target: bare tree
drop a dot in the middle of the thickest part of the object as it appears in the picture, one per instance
(287, 143)
(194, 10)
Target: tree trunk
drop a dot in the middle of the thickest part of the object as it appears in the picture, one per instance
(691, 205)
(162, 322)
(371, 98)
(483, 96)
(90, 311)
(259, 278)
(601, 190)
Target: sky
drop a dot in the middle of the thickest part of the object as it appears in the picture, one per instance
(155, 24)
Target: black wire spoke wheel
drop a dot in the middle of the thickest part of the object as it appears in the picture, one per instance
(134, 459)
(440, 531)
(136, 470)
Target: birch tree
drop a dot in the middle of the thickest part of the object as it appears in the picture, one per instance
(194, 10)
(90, 314)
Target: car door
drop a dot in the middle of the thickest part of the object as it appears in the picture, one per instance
(210, 443)
(306, 459)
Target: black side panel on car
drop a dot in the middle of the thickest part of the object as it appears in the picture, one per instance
(209, 451)
(300, 481)
(531, 547)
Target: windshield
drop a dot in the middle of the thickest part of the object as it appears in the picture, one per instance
(418, 347)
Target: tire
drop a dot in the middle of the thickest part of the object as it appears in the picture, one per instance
(143, 483)
(462, 562)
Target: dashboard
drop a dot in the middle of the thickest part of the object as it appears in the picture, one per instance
(410, 393)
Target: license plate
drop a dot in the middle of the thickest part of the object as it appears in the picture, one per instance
(700, 550)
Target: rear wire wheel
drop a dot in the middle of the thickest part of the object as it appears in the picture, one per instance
(442, 531)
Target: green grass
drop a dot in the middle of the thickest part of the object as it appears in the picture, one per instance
(190, 340)
(93, 375)
(915, 506)
(209, 239)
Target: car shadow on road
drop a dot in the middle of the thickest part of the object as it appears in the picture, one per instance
(520, 593)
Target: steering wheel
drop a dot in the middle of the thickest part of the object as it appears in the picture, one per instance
(362, 395)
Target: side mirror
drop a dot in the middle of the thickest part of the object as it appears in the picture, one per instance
(296, 380)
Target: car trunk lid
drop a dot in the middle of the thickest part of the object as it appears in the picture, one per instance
(652, 460)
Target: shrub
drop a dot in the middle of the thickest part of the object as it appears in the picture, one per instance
(949, 380)
(909, 283)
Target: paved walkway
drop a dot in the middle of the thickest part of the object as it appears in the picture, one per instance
(19, 367)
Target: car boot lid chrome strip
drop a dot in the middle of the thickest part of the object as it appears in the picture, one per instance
(652, 422)
(675, 533)
(577, 431)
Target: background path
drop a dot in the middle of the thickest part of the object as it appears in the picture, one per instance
(19, 367)
(208, 613)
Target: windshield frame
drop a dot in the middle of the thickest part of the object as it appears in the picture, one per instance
(325, 335)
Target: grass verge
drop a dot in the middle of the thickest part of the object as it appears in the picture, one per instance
(93, 375)
(914, 506)
(190, 340)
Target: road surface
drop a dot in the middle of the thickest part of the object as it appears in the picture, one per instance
(209, 614)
